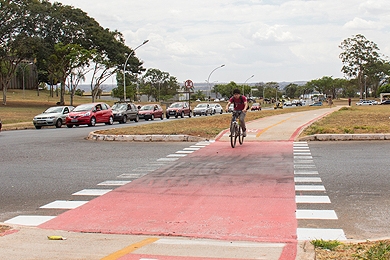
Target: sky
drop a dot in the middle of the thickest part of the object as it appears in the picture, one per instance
(255, 40)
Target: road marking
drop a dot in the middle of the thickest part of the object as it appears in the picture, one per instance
(303, 157)
(309, 188)
(27, 220)
(113, 183)
(200, 242)
(307, 179)
(63, 204)
(303, 161)
(269, 127)
(177, 155)
(315, 214)
(305, 172)
(167, 159)
(191, 149)
(129, 249)
(319, 233)
(312, 199)
(131, 175)
(304, 166)
(92, 192)
(187, 152)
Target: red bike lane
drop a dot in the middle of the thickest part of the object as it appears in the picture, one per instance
(241, 194)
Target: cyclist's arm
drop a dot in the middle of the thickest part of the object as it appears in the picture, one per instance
(245, 106)
(228, 104)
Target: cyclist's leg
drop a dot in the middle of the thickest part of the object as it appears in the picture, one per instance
(242, 123)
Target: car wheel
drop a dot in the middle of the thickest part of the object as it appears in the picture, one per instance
(189, 115)
(59, 123)
(38, 127)
(136, 118)
(182, 114)
(69, 126)
(152, 118)
(194, 115)
(124, 120)
(110, 121)
(221, 112)
(167, 117)
(92, 122)
(162, 116)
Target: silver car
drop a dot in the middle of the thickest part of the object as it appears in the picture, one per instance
(52, 116)
(202, 109)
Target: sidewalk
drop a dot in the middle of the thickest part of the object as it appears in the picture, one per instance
(98, 229)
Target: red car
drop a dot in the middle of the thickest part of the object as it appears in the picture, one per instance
(151, 112)
(178, 109)
(90, 114)
(256, 106)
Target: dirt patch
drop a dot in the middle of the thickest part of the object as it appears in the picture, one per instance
(4, 228)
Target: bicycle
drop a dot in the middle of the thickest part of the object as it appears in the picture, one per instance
(236, 130)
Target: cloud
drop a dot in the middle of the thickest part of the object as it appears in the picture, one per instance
(359, 23)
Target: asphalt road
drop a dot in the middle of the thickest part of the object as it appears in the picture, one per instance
(356, 178)
(40, 166)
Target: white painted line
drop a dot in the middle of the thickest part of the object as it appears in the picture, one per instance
(63, 204)
(309, 188)
(27, 220)
(131, 175)
(307, 179)
(300, 145)
(318, 233)
(167, 159)
(315, 214)
(312, 199)
(297, 153)
(113, 183)
(191, 149)
(176, 155)
(301, 166)
(308, 172)
(197, 146)
(92, 192)
(203, 143)
(300, 142)
(185, 152)
(199, 242)
(303, 157)
(303, 161)
(301, 150)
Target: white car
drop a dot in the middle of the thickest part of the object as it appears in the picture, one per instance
(216, 108)
(52, 116)
(364, 103)
(202, 109)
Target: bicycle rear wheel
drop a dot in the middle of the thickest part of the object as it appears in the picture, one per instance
(233, 135)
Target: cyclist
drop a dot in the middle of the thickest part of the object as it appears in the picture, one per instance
(240, 104)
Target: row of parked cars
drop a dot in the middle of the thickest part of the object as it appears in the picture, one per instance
(122, 112)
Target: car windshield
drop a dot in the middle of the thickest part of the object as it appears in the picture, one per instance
(119, 106)
(85, 107)
(213, 105)
(255, 104)
(176, 105)
(53, 110)
(201, 105)
(147, 107)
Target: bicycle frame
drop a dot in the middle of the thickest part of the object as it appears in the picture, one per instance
(235, 129)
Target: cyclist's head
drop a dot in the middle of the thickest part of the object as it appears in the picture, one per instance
(236, 91)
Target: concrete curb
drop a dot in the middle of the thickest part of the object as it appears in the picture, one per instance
(345, 137)
(144, 138)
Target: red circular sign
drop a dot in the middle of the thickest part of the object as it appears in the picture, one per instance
(189, 83)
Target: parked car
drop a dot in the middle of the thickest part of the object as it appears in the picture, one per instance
(287, 103)
(231, 108)
(296, 102)
(364, 103)
(151, 112)
(178, 109)
(386, 102)
(256, 107)
(316, 104)
(124, 111)
(90, 114)
(374, 102)
(216, 108)
(202, 109)
(52, 116)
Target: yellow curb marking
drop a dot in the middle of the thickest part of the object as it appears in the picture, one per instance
(130, 249)
(265, 129)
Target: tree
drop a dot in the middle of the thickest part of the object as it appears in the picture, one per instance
(291, 90)
(159, 84)
(357, 55)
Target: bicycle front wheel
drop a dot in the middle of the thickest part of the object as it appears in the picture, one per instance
(240, 135)
(233, 135)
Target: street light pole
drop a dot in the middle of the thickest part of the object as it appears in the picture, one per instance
(243, 87)
(124, 68)
(208, 79)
